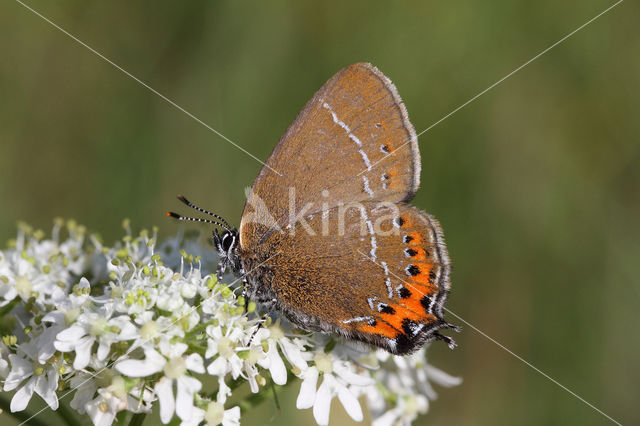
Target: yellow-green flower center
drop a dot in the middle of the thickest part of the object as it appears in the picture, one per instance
(225, 347)
(175, 368)
(323, 363)
(98, 327)
(214, 414)
(149, 330)
(23, 286)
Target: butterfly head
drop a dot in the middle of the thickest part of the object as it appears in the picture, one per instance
(227, 246)
(226, 243)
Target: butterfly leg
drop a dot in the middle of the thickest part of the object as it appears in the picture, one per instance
(222, 266)
(448, 340)
(245, 295)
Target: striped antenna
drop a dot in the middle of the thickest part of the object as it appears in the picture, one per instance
(200, 209)
(196, 219)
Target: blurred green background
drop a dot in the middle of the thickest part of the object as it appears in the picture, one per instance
(536, 183)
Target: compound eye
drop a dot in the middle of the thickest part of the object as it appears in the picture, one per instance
(226, 242)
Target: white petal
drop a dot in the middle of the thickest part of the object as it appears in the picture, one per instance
(83, 394)
(46, 387)
(20, 370)
(128, 331)
(153, 363)
(322, 404)
(293, 354)
(440, 377)
(307, 395)
(218, 367)
(197, 416)
(388, 418)
(224, 391)
(83, 352)
(424, 385)
(235, 363)
(194, 363)
(231, 417)
(72, 334)
(187, 386)
(236, 334)
(214, 331)
(84, 283)
(4, 368)
(55, 317)
(212, 348)
(63, 345)
(350, 403)
(45, 344)
(30, 348)
(164, 390)
(352, 378)
(253, 384)
(172, 350)
(276, 366)
(21, 399)
(98, 417)
(103, 350)
(261, 334)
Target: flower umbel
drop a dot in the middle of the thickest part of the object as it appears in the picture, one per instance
(136, 325)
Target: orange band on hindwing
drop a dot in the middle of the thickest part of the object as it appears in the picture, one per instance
(417, 301)
(413, 239)
(380, 328)
(417, 254)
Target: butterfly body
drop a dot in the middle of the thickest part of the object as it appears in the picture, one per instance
(327, 237)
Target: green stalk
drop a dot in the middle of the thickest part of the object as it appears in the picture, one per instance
(137, 419)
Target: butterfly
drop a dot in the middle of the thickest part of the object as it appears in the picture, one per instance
(327, 237)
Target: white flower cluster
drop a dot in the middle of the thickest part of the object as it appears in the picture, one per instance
(116, 330)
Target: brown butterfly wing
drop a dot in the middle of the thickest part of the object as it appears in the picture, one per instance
(382, 280)
(338, 143)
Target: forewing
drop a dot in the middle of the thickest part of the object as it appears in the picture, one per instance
(383, 280)
(352, 142)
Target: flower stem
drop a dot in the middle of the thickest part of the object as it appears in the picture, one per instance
(137, 419)
(275, 395)
(8, 307)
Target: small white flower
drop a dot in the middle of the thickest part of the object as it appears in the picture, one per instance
(407, 410)
(292, 348)
(175, 370)
(225, 346)
(35, 268)
(90, 328)
(40, 378)
(332, 384)
(85, 388)
(103, 409)
(115, 398)
(216, 414)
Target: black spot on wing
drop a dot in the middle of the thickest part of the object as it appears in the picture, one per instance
(413, 270)
(386, 309)
(404, 293)
(426, 303)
